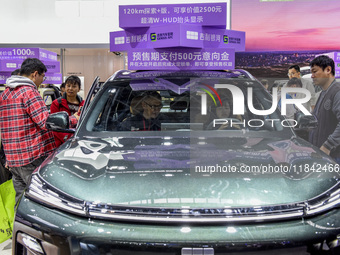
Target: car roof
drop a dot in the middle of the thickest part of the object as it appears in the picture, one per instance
(126, 74)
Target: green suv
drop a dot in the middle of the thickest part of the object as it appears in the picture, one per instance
(181, 162)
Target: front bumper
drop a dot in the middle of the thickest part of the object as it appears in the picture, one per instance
(61, 233)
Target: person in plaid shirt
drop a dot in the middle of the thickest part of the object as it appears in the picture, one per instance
(23, 114)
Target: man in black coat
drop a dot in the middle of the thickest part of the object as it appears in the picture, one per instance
(327, 109)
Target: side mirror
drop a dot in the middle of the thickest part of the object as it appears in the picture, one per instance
(305, 122)
(59, 122)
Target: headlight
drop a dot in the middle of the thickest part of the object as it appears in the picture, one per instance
(324, 202)
(42, 192)
(46, 194)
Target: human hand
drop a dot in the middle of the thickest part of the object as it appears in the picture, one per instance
(325, 150)
(77, 115)
(223, 126)
(79, 110)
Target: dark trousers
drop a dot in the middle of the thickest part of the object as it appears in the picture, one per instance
(5, 174)
(21, 176)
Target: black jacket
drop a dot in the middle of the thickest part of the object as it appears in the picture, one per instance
(139, 123)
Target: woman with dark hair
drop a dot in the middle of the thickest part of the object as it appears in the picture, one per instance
(70, 102)
(226, 120)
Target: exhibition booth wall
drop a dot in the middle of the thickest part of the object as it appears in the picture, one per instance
(278, 33)
(78, 31)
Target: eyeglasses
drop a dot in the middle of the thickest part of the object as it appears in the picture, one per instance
(155, 107)
(44, 77)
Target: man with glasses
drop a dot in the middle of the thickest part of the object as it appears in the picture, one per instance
(294, 72)
(150, 118)
(23, 114)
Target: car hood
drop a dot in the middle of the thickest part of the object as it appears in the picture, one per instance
(178, 172)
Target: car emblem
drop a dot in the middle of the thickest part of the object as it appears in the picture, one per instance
(198, 251)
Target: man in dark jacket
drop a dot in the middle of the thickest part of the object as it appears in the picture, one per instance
(327, 109)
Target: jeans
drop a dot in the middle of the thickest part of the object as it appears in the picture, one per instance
(22, 174)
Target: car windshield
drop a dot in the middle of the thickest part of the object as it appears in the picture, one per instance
(183, 103)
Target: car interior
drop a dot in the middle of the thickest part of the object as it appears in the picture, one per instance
(182, 111)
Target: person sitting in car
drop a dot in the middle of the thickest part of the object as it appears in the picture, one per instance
(149, 119)
(226, 120)
(136, 105)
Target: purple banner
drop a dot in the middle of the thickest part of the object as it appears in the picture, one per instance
(204, 14)
(181, 59)
(337, 69)
(334, 55)
(9, 65)
(23, 53)
(4, 76)
(52, 66)
(337, 56)
(53, 78)
(191, 36)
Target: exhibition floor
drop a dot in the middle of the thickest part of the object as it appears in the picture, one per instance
(6, 247)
